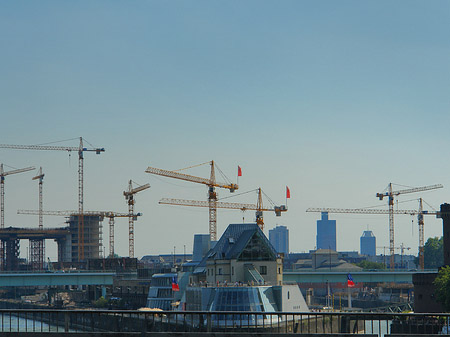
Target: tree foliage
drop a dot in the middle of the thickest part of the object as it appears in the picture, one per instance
(434, 253)
(442, 287)
(371, 265)
(101, 302)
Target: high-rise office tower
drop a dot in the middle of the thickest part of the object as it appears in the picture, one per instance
(368, 243)
(326, 233)
(279, 238)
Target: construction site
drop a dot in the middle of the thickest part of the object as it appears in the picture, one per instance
(81, 238)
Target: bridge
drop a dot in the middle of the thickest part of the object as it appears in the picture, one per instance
(376, 276)
(72, 278)
(34, 233)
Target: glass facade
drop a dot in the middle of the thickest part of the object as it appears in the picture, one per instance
(237, 299)
(160, 294)
(256, 250)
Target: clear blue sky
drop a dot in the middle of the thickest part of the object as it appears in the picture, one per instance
(333, 98)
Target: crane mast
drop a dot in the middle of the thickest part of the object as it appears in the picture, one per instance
(37, 247)
(80, 149)
(212, 194)
(421, 235)
(129, 196)
(212, 199)
(80, 202)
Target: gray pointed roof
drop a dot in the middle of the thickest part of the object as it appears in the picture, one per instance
(234, 240)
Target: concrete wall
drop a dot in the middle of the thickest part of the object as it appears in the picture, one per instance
(292, 299)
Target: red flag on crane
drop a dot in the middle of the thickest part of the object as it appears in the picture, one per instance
(288, 193)
(239, 171)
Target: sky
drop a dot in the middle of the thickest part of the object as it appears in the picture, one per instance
(335, 99)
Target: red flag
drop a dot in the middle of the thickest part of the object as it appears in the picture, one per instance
(239, 171)
(288, 193)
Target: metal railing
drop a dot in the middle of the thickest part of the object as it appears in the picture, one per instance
(381, 324)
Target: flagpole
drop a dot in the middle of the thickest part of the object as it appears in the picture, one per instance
(349, 298)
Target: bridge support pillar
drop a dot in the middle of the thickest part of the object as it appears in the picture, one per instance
(12, 249)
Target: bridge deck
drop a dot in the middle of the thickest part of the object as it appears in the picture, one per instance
(358, 276)
(55, 279)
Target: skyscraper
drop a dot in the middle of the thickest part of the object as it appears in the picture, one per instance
(368, 243)
(279, 238)
(326, 233)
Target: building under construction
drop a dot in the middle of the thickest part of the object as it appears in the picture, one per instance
(68, 239)
(89, 239)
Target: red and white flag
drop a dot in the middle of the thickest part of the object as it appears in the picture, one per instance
(175, 286)
(350, 282)
(288, 193)
(239, 171)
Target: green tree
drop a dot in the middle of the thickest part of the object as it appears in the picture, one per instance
(101, 302)
(371, 265)
(434, 253)
(442, 287)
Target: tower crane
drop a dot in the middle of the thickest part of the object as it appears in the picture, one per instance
(230, 205)
(3, 174)
(212, 195)
(37, 247)
(420, 213)
(80, 149)
(129, 196)
(391, 194)
(102, 214)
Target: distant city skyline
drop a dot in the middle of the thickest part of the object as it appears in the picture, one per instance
(333, 99)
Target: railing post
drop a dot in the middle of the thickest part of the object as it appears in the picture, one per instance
(208, 323)
(66, 322)
(345, 324)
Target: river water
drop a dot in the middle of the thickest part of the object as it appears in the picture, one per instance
(379, 328)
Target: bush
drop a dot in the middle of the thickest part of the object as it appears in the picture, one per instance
(101, 303)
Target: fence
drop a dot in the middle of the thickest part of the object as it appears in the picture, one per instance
(19, 320)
